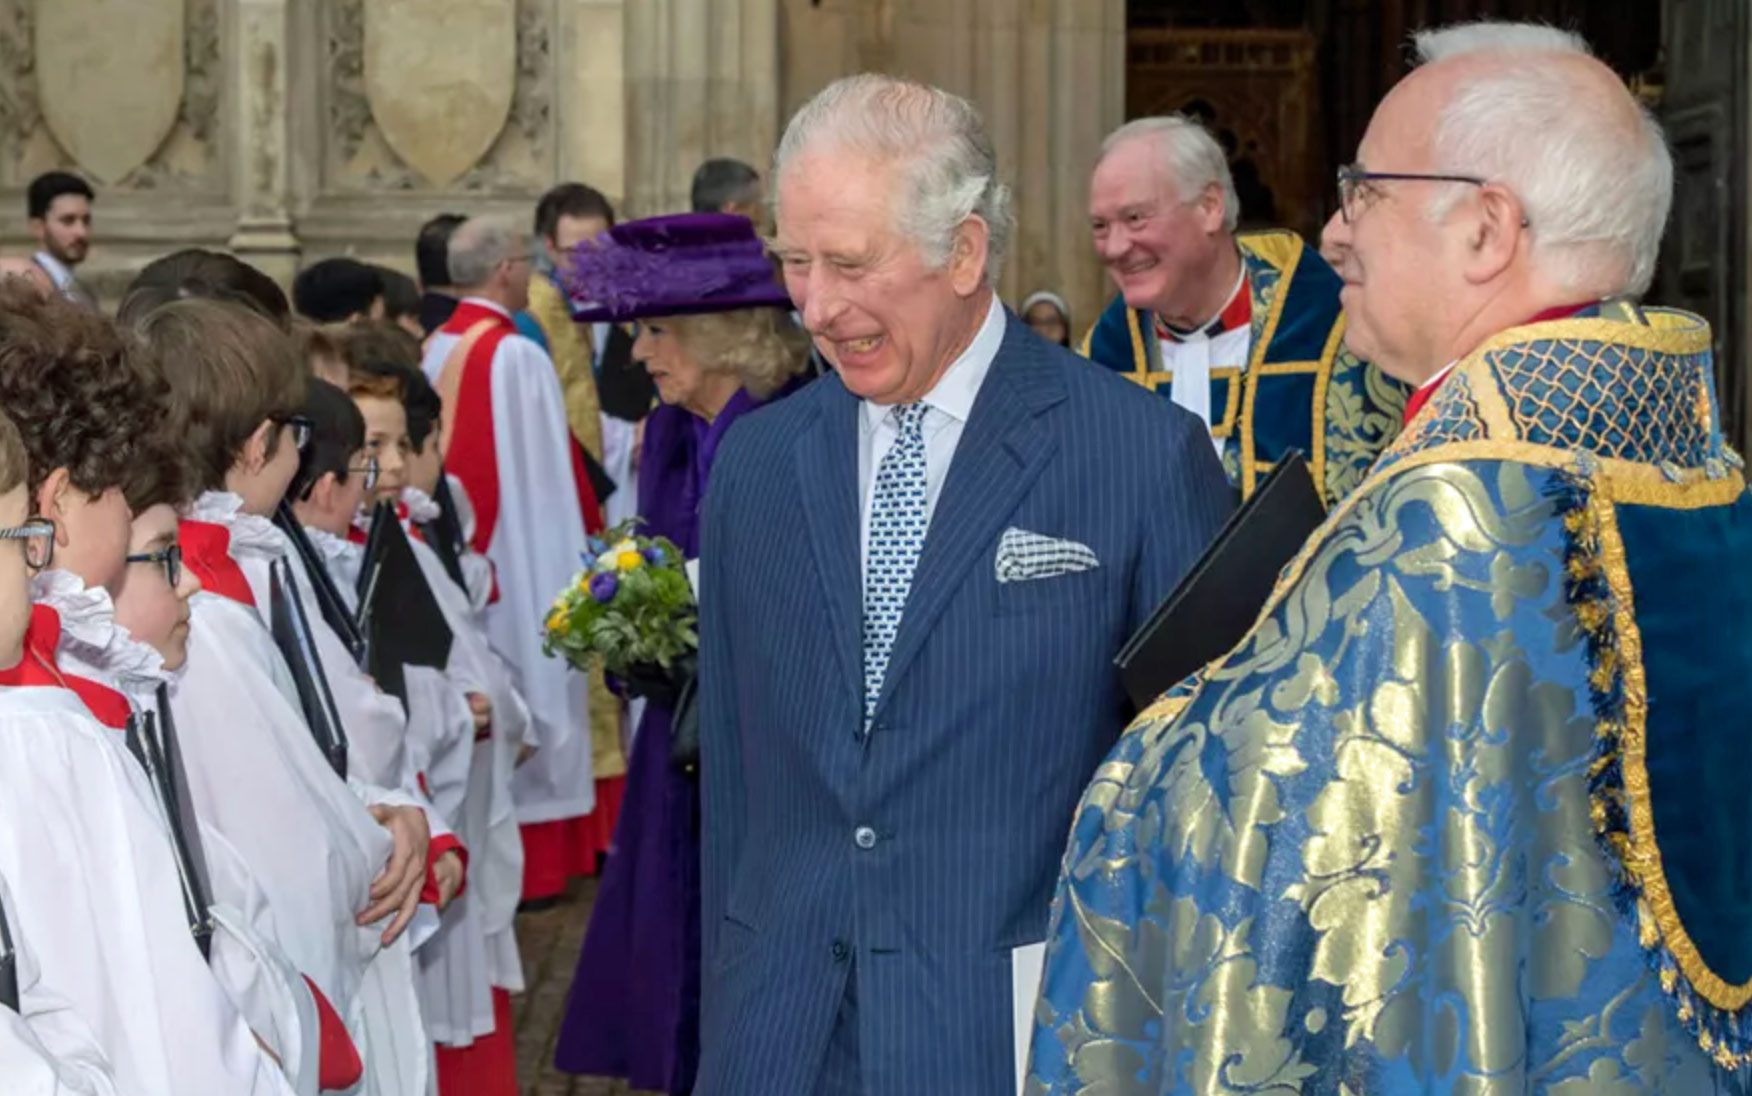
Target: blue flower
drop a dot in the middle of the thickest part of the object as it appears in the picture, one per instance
(603, 586)
(654, 555)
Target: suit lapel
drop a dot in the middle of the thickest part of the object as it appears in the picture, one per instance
(827, 472)
(1002, 450)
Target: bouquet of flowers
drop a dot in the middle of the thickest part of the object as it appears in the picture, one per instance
(631, 610)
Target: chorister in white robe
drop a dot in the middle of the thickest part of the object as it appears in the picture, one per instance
(263, 783)
(489, 823)
(95, 890)
(46, 1047)
(245, 956)
(450, 968)
(516, 460)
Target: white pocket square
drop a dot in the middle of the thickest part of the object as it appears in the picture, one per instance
(1025, 556)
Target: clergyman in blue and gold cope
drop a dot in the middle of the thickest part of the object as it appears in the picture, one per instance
(1300, 389)
(1466, 811)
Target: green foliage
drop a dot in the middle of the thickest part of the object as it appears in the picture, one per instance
(631, 605)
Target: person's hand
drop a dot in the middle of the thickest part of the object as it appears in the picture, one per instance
(397, 888)
(448, 874)
(525, 752)
(482, 707)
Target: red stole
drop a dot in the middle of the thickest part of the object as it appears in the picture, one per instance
(470, 446)
(207, 552)
(38, 667)
(1416, 401)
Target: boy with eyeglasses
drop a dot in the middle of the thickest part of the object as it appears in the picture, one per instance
(452, 969)
(341, 859)
(83, 838)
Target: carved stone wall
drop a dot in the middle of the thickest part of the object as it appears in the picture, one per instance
(293, 129)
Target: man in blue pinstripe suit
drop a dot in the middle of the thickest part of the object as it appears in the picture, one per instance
(916, 573)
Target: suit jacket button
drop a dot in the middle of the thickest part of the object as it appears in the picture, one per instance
(865, 837)
(840, 951)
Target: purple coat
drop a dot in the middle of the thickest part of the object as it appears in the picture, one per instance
(634, 1006)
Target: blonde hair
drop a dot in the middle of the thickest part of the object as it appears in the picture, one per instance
(764, 347)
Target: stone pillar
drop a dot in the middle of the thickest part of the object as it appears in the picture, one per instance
(592, 101)
(702, 81)
(259, 62)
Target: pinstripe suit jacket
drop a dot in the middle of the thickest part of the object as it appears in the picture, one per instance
(999, 702)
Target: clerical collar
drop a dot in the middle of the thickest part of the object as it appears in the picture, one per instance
(1236, 314)
(1427, 389)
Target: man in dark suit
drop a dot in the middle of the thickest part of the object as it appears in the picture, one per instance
(915, 575)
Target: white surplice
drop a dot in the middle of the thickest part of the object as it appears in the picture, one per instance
(450, 968)
(536, 545)
(95, 890)
(262, 782)
(489, 823)
(245, 956)
(46, 1047)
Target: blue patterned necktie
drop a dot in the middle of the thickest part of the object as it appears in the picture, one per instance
(897, 533)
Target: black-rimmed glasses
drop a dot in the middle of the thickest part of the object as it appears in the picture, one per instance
(1355, 188)
(171, 559)
(371, 470)
(302, 428)
(38, 535)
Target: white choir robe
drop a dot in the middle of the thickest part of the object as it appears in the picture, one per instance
(450, 974)
(1192, 358)
(258, 977)
(620, 453)
(489, 824)
(536, 546)
(477, 570)
(46, 1047)
(96, 893)
(263, 784)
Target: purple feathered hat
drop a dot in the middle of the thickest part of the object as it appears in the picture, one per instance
(671, 266)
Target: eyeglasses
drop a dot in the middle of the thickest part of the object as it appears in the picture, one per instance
(38, 535)
(301, 426)
(371, 470)
(171, 559)
(1355, 191)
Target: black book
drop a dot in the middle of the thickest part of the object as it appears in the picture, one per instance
(8, 965)
(328, 595)
(1218, 600)
(291, 630)
(151, 738)
(402, 622)
(443, 534)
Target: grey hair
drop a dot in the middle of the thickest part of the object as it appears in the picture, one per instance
(1190, 154)
(479, 245)
(1596, 196)
(937, 141)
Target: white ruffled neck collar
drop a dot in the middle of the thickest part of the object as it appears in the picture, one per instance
(420, 506)
(250, 534)
(93, 645)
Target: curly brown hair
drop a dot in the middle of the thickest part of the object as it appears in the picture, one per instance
(78, 391)
(374, 342)
(14, 464)
(230, 369)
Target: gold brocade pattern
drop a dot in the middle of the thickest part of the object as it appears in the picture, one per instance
(1360, 853)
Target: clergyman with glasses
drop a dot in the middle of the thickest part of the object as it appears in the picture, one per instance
(1466, 811)
(1240, 328)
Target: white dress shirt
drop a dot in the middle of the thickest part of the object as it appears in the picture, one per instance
(948, 405)
(1193, 356)
(58, 272)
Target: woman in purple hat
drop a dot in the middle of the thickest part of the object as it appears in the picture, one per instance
(718, 339)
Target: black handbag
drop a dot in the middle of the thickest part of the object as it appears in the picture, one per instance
(684, 731)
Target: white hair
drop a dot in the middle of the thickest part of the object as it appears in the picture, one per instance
(937, 142)
(1191, 156)
(478, 246)
(1595, 193)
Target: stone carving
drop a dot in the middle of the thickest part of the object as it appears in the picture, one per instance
(110, 79)
(440, 77)
(359, 156)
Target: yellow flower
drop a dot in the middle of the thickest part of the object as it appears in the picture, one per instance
(555, 619)
(628, 560)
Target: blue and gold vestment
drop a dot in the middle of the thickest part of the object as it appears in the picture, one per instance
(1301, 389)
(1466, 812)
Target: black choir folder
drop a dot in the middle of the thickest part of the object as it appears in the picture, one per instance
(1219, 599)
